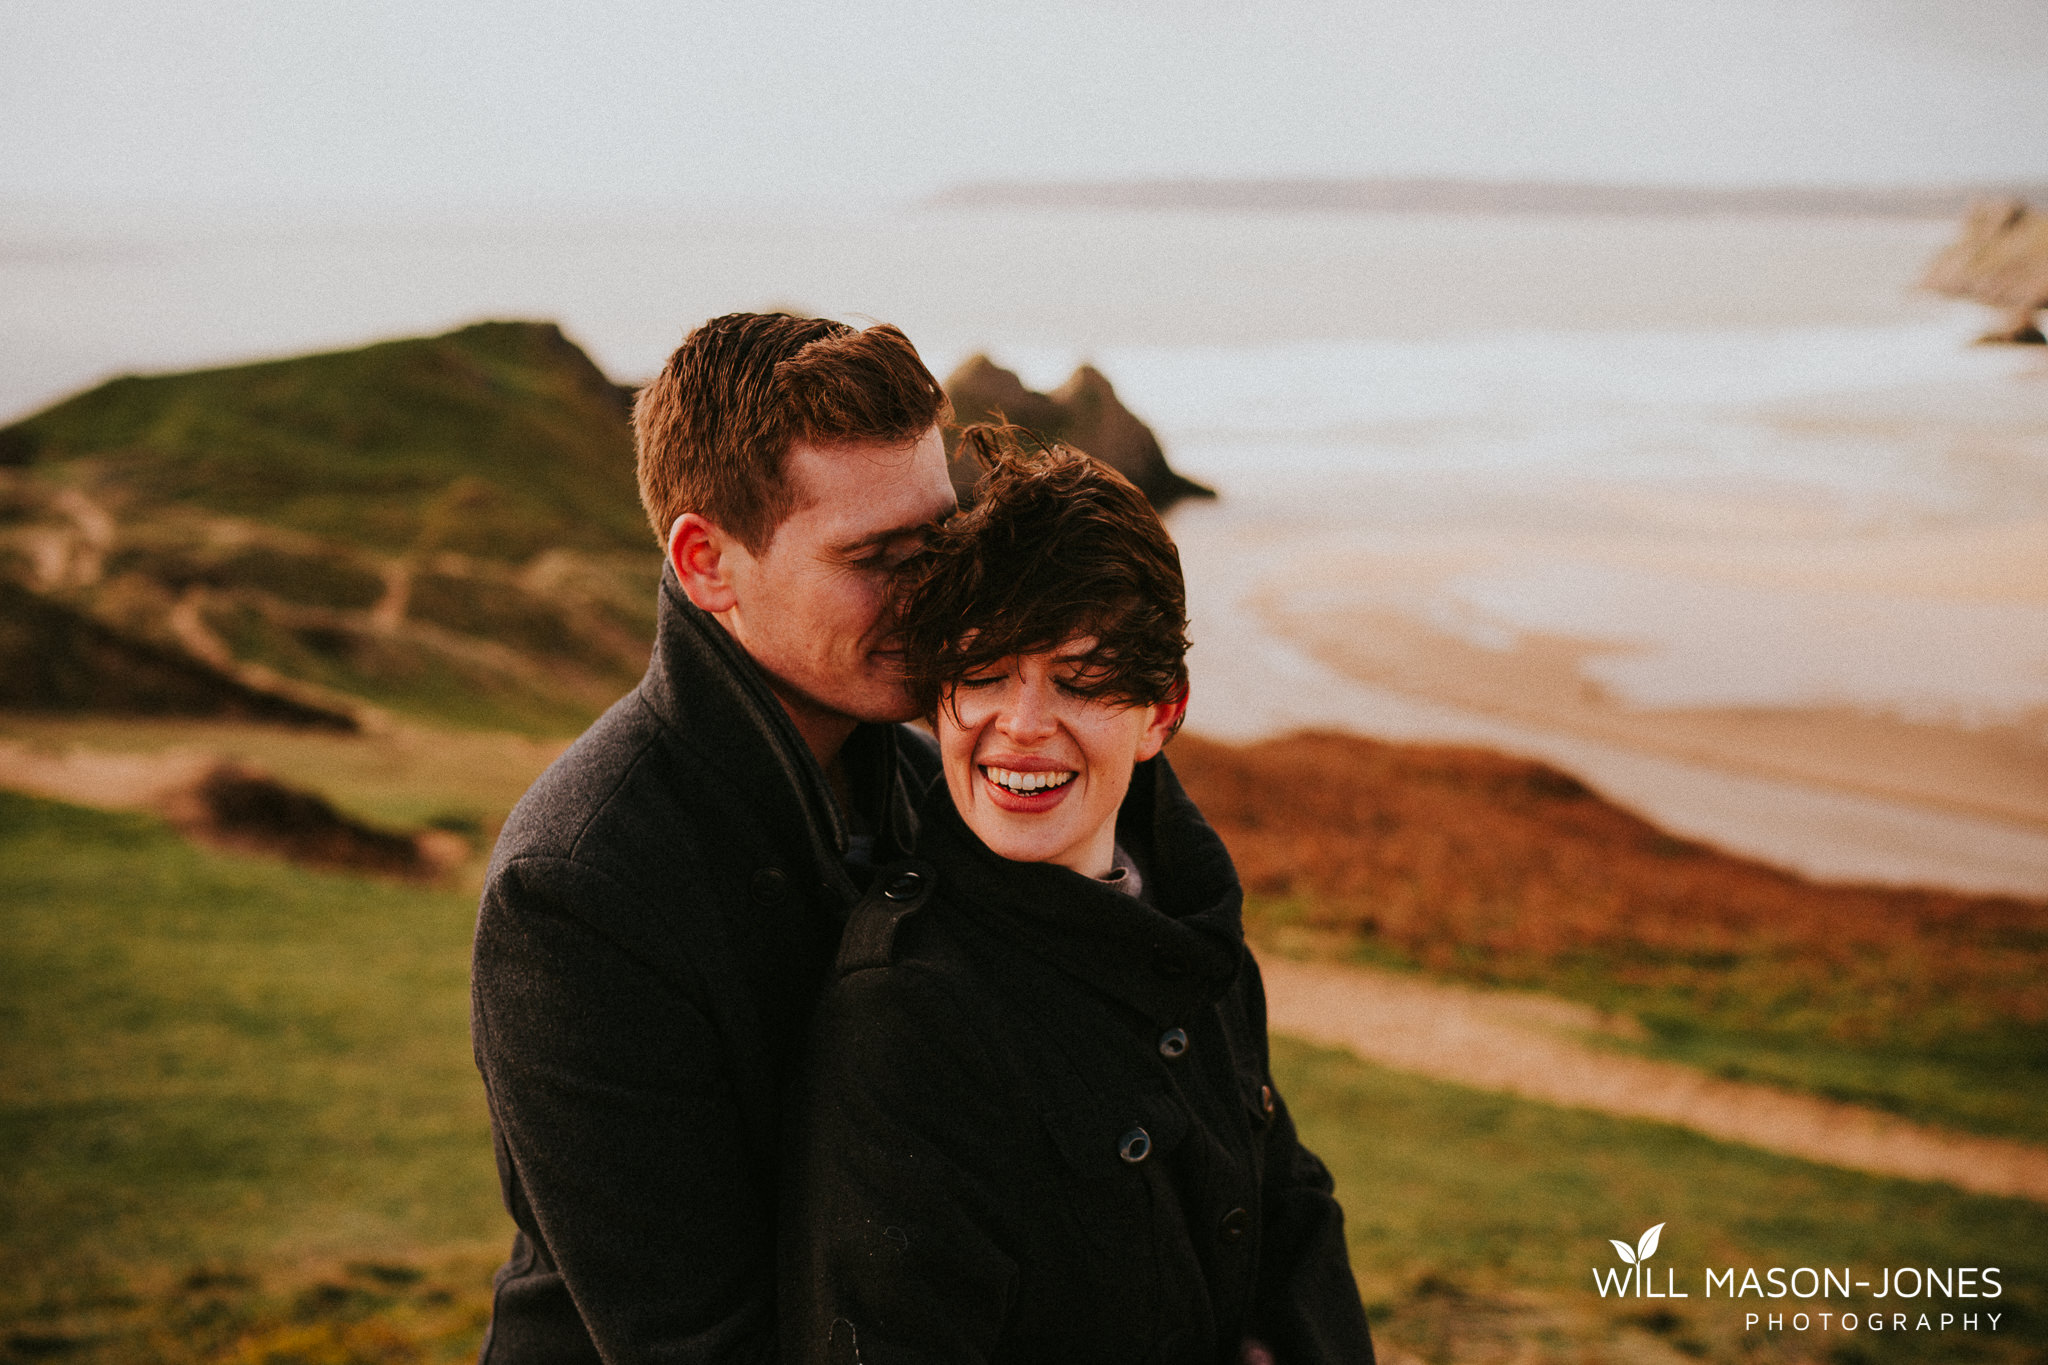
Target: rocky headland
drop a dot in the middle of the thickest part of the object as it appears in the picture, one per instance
(2001, 260)
(1084, 413)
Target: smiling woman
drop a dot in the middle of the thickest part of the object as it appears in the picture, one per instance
(1044, 631)
(1036, 767)
(1038, 1122)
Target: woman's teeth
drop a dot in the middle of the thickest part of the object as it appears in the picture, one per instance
(1023, 784)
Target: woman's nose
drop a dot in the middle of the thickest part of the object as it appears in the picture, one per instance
(1029, 716)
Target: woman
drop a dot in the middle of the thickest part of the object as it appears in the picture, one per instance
(1038, 1124)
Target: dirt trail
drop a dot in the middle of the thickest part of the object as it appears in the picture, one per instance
(1534, 1047)
(110, 780)
(230, 805)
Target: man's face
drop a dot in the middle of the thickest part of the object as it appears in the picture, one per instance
(814, 607)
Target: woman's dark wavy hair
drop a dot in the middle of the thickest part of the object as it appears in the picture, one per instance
(1054, 544)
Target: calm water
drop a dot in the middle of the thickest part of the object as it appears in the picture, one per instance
(84, 294)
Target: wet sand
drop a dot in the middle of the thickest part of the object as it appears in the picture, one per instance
(1364, 629)
(1998, 772)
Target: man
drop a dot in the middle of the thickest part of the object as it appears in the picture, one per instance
(664, 903)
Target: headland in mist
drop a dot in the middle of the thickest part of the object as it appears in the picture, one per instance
(1425, 194)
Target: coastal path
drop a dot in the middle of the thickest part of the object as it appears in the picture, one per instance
(1538, 1047)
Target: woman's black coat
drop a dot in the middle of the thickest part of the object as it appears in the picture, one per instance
(1038, 1123)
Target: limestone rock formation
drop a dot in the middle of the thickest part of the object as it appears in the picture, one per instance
(2001, 259)
(1084, 412)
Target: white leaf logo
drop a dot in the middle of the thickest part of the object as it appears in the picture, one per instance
(1647, 1247)
(1643, 1250)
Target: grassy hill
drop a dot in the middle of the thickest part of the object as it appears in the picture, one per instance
(239, 1125)
(500, 441)
(444, 526)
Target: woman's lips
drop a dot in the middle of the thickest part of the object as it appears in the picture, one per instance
(1027, 802)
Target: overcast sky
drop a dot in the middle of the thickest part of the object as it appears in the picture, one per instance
(401, 100)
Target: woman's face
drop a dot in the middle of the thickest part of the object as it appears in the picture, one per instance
(1038, 771)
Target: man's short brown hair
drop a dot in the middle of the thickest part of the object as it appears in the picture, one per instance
(1054, 545)
(713, 429)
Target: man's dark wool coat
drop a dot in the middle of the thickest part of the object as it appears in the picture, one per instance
(660, 913)
(1038, 1123)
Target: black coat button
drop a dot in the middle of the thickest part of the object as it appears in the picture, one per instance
(903, 886)
(1173, 1042)
(1235, 1224)
(1136, 1146)
(770, 886)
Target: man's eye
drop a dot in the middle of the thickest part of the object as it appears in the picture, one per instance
(887, 558)
(980, 680)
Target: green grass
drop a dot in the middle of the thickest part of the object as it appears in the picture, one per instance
(215, 1060)
(301, 483)
(412, 678)
(500, 440)
(1475, 1221)
(404, 777)
(1991, 1081)
(1743, 1020)
(239, 1122)
(1981, 1076)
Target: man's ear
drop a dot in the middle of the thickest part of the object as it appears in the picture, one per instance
(702, 556)
(1166, 718)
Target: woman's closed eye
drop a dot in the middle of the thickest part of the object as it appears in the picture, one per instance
(1080, 679)
(975, 681)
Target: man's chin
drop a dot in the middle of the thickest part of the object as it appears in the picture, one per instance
(894, 712)
(886, 698)
(879, 703)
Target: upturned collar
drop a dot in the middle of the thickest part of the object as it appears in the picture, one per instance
(1181, 950)
(711, 694)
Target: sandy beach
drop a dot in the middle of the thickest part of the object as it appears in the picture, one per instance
(1829, 650)
(1379, 640)
(1381, 631)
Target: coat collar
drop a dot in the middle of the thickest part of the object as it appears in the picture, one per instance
(1178, 952)
(709, 691)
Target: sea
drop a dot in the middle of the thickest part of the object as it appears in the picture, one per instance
(1736, 464)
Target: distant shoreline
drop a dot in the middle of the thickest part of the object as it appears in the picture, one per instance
(1424, 195)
